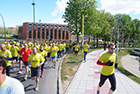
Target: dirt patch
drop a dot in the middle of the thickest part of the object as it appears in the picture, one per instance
(69, 68)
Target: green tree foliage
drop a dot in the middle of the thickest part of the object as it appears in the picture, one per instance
(73, 15)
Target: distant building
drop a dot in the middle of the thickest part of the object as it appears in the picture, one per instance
(44, 31)
(12, 30)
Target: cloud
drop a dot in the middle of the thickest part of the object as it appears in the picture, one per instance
(60, 7)
(59, 20)
(121, 6)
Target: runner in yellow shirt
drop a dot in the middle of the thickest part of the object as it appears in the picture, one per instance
(13, 42)
(107, 60)
(63, 48)
(14, 50)
(7, 57)
(85, 47)
(20, 58)
(17, 43)
(36, 61)
(47, 49)
(35, 45)
(5, 42)
(76, 49)
(54, 49)
(30, 44)
(8, 46)
(60, 46)
(44, 54)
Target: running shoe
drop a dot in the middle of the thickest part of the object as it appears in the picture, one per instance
(41, 76)
(53, 66)
(98, 92)
(25, 78)
(14, 68)
(20, 72)
(36, 88)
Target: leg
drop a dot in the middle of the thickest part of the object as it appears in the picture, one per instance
(37, 80)
(8, 70)
(42, 66)
(102, 80)
(85, 53)
(27, 69)
(13, 63)
(112, 80)
(20, 65)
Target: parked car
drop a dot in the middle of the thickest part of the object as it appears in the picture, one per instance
(136, 52)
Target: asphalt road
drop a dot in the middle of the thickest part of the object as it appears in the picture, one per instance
(47, 84)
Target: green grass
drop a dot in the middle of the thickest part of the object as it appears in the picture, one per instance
(70, 62)
(11, 36)
(122, 69)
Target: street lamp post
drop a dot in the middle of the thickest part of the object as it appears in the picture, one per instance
(82, 29)
(117, 39)
(3, 24)
(34, 19)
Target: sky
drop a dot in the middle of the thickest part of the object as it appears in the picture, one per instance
(16, 12)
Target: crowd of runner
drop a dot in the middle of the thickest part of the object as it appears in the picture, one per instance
(35, 55)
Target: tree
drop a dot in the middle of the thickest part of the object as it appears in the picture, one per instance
(73, 15)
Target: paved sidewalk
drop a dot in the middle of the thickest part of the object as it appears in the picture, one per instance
(87, 78)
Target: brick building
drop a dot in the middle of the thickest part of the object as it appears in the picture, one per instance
(44, 31)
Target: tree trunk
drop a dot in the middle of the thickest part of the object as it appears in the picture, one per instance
(88, 40)
(77, 38)
(97, 42)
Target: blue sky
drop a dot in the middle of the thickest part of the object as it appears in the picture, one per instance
(15, 12)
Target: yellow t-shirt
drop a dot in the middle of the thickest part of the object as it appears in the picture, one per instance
(47, 49)
(20, 49)
(108, 70)
(14, 51)
(13, 42)
(43, 53)
(54, 51)
(76, 47)
(8, 47)
(85, 46)
(63, 46)
(17, 44)
(60, 46)
(7, 54)
(30, 44)
(71, 43)
(35, 59)
(4, 42)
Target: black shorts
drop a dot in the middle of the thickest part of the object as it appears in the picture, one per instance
(49, 54)
(13, 58)
(76, 52)
(35, 72)
(20, 58)
(26, 63)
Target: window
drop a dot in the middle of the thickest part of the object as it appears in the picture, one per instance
(38, 31)
(34, 31)
(51, 37)
(43, 27)
(30, 28)
(55, 31)
(67, 29)
(47, 31)
(59, 37)
(63, 31)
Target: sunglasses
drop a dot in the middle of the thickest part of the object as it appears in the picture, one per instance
(112, 48)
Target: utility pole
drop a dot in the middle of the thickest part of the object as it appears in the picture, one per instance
(34, 32)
